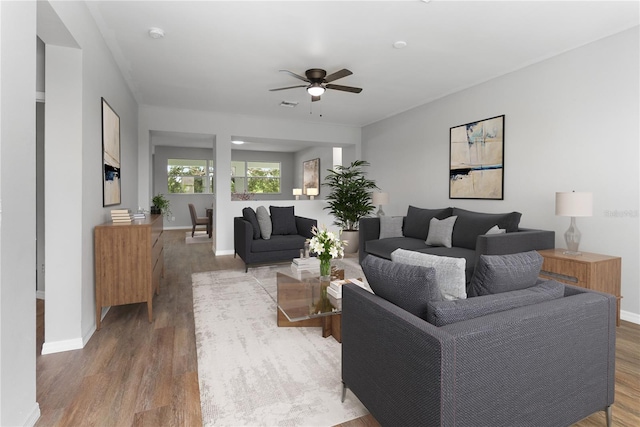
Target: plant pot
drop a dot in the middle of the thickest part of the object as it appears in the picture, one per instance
(352, 238)
(155, 210)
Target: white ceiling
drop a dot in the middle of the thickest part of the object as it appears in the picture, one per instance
(225, 55)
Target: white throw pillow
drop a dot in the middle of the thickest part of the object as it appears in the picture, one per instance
(496, 230)
(450, 274)
(440, 231)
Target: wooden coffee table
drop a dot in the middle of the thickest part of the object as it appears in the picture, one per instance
(304, 302)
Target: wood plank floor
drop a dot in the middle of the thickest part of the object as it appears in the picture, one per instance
(136, 373)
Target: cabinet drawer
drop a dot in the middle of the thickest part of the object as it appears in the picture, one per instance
(565, 271)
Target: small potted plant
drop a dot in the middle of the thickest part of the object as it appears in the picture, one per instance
(161, 205)
(350, 199)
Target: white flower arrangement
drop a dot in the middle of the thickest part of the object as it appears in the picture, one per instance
(326, 244)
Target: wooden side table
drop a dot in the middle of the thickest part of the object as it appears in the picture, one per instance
(591, 271)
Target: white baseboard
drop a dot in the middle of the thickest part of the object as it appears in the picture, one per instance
(630, 317)
(39, 294)
(64, 345)
(225, 252)
(33, 417)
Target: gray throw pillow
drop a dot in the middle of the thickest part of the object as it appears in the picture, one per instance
(409, 287)
(264, 220)
(450, 272)
(390, 226)
(250, 215)
(502, 273)
(416, 224)
(283, 220)
(442, 313)
(440, 231)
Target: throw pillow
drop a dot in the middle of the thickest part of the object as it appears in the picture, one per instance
(442, 313)
(502, 273)
(283, 220)
(250, 215)
(390, 226)
(264, 221)
(409, 287)
(450, 272)
(416, 224)
(471, 224)
(440, 231)
(496, 230)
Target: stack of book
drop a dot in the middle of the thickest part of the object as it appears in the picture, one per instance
(335, 287)
(310, 264)
(139, 215)
(121, 216)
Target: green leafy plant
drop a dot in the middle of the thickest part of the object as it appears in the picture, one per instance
(350, 197)
(162, 204)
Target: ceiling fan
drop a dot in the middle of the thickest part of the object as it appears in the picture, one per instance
(319, 82)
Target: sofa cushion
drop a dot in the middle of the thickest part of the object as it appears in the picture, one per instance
(442, 313)
(250, 215)
(410, 287)
(278, 243)
(383, 247)
(440, 231)
(450, 272)
(283, 220)
(470, 225)
(416, 223)
(502, 273)
(390, 226)
(264, 220)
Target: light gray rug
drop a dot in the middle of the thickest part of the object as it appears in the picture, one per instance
(253, 373)
(198, 237)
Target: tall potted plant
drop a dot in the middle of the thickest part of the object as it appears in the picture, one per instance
(349, 199)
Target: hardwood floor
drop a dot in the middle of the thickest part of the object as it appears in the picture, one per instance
(133, 372)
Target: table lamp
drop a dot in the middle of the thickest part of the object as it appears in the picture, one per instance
(573, 204)
(312, 192)
(380, 199)
(297, 192)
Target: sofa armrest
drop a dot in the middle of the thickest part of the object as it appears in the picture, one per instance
(368, 229)
(304, 226)
(242, 237)
(523, 240)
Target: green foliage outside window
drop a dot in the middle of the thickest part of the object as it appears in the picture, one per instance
(189, 176)
(260, 177)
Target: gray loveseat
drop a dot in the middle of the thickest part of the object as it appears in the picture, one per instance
(468, 239)
(548, 363)
(288, 233)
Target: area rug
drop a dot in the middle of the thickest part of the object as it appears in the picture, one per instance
(198, 237)
(253, 373)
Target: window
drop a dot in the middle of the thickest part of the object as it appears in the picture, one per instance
(187, 176)
(255, 177)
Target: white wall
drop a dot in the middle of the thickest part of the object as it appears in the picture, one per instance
(17, 214)
(223, 126)
(572, 123)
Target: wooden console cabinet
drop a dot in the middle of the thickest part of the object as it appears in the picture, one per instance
(129, 261)
(592, 271)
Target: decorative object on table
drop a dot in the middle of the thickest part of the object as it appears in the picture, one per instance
(476, 160)
(349, 199)
(335, 286)
(312, 193)
(121, 216)
(311, 177)
(380, 199)
(326, 245)
(297, 192)
(573, 204)
(161, 205)
(111, 191)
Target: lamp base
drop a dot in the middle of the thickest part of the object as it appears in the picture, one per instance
(572, 237)
(380, 211)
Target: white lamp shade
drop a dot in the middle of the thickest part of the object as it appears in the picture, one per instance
(380, 198)
(574, 204)
(312, 191)
(297, 191)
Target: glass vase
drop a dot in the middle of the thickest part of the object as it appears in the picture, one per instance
(325, 269)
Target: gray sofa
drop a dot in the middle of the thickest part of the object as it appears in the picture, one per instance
(280, 246)
(468, 239)
(548, 363)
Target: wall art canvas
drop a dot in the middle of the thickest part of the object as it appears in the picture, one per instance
(476, 160)
(111, 190)
(311, 175)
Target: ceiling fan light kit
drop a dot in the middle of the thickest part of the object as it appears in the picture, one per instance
(319, 82)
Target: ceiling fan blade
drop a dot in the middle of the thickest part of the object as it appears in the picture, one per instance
(315, 98)
(288, 87)
(337, 75)
(344, 88)
(304, 79)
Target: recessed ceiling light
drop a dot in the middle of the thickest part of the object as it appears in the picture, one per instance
(156, 33)
(400, 44)
(237, 142)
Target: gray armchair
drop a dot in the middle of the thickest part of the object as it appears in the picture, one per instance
(547, 364)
